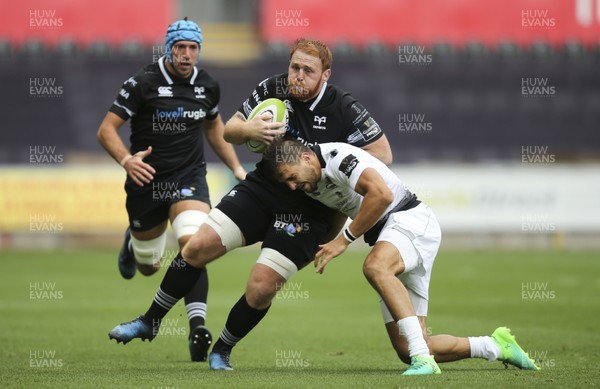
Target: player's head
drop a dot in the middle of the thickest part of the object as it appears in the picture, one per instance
(289, 161)
(309, 68)
(183, 31)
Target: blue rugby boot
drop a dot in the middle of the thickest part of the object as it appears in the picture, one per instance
(219, 360)
(137, 328)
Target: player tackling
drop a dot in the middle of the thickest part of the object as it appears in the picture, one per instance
(405, 236)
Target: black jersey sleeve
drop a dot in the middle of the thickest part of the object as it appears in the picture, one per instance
(214, 110)
(129, 99)
(362, 129)
(267, 88)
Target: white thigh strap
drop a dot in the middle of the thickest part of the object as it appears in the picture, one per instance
(278, 262)
(188, 222)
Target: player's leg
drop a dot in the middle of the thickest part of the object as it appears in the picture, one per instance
(186, 217)
(381, 268)
(145, 238)
(214, 238)
(283, 253)
(268, 275)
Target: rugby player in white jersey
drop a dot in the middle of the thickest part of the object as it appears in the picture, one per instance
(405, 236)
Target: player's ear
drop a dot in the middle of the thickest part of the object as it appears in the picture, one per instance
(326, 75)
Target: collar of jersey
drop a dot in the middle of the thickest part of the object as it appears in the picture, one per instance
(319, 97)
(319, 153)
(167, 76)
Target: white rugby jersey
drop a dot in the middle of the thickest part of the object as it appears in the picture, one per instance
(341, 167)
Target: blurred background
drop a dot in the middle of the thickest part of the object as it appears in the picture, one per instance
(492, 109)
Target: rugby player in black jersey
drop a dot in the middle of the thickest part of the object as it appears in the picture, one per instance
(289, 223)
(171, 105)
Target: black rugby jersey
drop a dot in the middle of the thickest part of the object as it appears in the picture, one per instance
(167, 113)
(333, 116)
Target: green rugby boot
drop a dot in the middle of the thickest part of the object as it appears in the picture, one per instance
(510, 351)
(422, 365)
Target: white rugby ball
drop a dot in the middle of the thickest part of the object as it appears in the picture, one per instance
(279, 111)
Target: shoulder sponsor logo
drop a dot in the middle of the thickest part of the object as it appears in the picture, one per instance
(124, 93)
(199, 91)
(131, 81)
(348, 164)
(165, 91)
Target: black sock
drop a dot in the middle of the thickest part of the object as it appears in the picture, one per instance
(241, 320)
(195, 301)
(178, 280)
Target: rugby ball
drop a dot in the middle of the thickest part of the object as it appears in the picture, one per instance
(279, 111)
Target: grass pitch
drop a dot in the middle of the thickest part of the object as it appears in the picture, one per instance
(323, 331)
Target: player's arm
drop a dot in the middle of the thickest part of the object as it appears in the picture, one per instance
(380, 149)
(108, 136)
(213, 130)
(376, 198)
(338, 221)
(238, 130)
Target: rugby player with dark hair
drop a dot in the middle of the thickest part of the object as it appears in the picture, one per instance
(171, 105)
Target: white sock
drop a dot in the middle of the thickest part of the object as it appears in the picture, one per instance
(411, 330)
(484, 347)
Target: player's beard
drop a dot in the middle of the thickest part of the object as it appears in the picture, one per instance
(301, 92)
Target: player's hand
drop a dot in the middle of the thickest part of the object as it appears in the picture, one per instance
(261, 129)
(140, 172)
(328, 251)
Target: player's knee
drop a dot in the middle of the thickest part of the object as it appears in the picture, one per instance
(149, 252)
(187, 223)
(373, 269)
(259, 294)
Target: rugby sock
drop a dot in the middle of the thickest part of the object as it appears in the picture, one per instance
(241, 320)
(178, 280)
(410, 328)
(195, 301)
(484, 347)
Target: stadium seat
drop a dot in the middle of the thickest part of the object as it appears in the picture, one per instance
(475, 49)
(98, 49)
(277, 49)
(343, 50)
(66, 48)
(573, 49)
(131, 48)
(376, 49)
(508, 50)
(541, 49)
(33, 48)
(6, 48)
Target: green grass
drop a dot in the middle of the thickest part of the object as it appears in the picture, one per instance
(329, 327)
